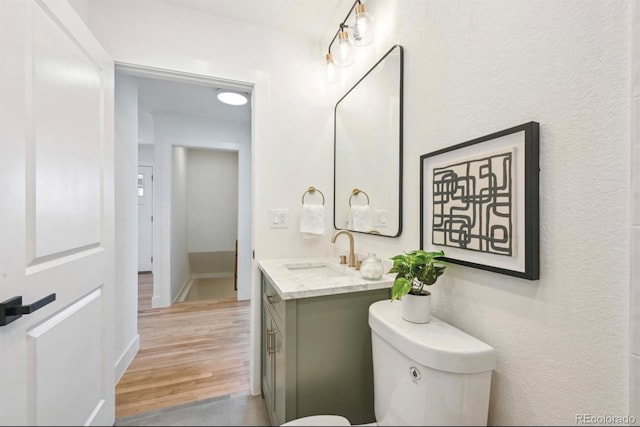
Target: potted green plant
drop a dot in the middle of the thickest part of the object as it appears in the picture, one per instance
(415, 270)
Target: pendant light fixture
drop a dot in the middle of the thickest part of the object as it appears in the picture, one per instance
(330, 71)
(342, 53)
(362, 34)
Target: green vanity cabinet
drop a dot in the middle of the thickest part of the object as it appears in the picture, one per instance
(316, 355)
(270, 333)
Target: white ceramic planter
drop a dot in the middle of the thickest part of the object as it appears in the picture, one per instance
(416, 308)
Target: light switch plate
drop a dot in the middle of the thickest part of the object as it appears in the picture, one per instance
(279, 218)
(381, 218)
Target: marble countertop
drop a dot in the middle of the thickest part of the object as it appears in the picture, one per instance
(311, 277)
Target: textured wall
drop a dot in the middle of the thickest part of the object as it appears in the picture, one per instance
(473, 68)
(635, 216)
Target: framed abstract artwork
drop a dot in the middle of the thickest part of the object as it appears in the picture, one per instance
(479, 202)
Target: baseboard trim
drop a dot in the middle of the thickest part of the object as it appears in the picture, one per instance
(158, 301)
(127, 357)
(212, 275)
(184, 290)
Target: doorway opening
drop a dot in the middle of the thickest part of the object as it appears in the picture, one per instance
(207, 198)
(179, 113)
(181, 110)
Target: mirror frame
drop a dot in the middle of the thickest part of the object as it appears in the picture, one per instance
(400, 142)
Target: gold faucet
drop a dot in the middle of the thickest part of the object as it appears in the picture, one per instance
(352, 255)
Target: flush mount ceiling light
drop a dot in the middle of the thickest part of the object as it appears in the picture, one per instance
(361, 35)
(231, 97)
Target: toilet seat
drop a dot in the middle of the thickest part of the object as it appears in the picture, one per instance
(319, 420)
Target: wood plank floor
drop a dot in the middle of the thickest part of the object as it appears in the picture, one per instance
(191, 351)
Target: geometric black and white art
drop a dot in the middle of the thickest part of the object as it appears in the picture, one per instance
(479, 202)
(472, 204)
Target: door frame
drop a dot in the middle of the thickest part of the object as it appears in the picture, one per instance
(248, 288)
(147, 165)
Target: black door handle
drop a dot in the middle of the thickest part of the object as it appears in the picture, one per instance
(12, 309)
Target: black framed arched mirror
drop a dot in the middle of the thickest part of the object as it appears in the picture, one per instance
(368, 151)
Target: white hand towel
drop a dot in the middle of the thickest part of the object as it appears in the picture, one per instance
(360, 218)
(312, 220)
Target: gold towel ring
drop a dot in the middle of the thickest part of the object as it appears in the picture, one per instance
(312, 190)
(357, 191)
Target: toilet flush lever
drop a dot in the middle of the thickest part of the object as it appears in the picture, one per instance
(12, 309)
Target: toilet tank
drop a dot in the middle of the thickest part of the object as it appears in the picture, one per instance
(427, 374)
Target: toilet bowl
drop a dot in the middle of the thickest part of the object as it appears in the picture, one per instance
(445, 370)
(319, 420)
(323, 420)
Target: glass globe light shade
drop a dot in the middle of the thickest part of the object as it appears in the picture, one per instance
(330, 70)
(343, 53)
(362, 32)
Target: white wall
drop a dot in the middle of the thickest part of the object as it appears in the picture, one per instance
(82, 8)
(127, 340)
(180, 272)
(212, 195)
(183, 126)
(471, 68)
(146, 154)
(634, 300)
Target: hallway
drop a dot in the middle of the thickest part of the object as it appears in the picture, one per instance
(191, 351)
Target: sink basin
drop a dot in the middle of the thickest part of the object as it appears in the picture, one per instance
(295, 278)
(307, 269)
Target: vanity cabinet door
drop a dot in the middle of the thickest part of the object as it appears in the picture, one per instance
(279, 377)
(316, 355)
(273, 357)
(267, 360)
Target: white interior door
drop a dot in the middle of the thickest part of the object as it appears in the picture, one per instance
(145, 218)
(56, 218)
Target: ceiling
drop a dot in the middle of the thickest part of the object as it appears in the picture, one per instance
(166, 96)
(303, 18)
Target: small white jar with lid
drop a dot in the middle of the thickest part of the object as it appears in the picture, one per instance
(372, 267)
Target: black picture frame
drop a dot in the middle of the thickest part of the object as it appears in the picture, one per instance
(479, 202)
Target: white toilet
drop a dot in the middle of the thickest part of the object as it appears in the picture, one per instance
(423, 374)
